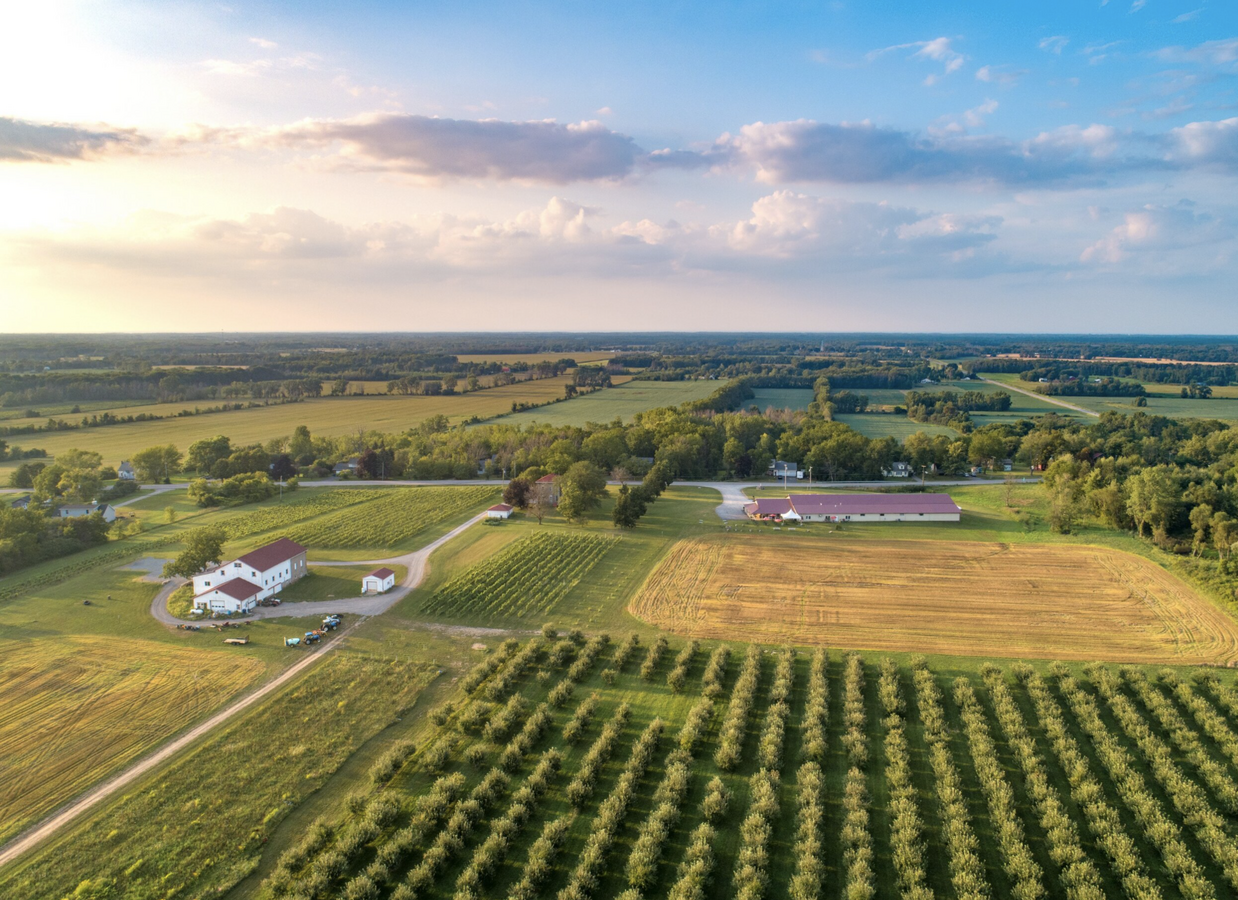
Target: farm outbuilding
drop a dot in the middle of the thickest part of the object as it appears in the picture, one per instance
(856, 508)
(378, 581)
(499, 511)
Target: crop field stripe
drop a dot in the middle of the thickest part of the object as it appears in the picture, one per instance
(387, 517)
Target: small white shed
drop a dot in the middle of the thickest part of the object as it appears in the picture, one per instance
(499, 511)
(378, 581)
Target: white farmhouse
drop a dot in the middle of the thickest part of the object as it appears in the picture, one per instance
(239, 585)
(378, 581)
(898, 470)
(73, 510)
(125, 471)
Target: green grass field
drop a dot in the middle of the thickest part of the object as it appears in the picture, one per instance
(880, 425)
(1163, 401)
(327, 416)
(620, 402)
(333, 582)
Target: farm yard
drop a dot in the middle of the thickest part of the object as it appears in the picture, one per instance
(528, 577)
(600, 767)
(621, 402)
(964, 598)
(78, 707)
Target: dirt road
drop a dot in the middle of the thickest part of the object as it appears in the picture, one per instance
(416, 562)
(1044, 397)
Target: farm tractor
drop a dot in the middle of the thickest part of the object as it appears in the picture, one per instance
(330, 623)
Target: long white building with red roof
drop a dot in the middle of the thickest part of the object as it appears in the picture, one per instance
(239, 586)
(855, 508)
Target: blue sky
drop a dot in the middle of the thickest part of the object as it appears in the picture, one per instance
(834, 166)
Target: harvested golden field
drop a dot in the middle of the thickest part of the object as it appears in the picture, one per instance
(75, 709)
(1041, 601)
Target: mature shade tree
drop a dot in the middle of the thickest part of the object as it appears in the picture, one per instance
(79, 459)
(581, 489)
(47, 483)
(1152, 497)
(301, 445)
(369, 464)
(25, 474)
(1201, 521)
(283, 467)
(205, 453)
(517, 492)
(203, 546)
(157, 464)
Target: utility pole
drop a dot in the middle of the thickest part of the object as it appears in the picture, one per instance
(923, 469)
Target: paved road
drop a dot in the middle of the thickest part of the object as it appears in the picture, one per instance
(416, 561)
(1045, 397)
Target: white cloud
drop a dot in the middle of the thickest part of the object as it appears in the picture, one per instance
(937, 50)
(1054, 44)
(1158, 230)
(999, 75)
(263, 43)
(1222, 53)
(23, 141)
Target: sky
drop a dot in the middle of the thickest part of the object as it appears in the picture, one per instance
(1052, 166)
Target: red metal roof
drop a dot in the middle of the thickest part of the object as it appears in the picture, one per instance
(384, 572)
(871, 504)
(500, 507)
(237, 589)
(547, 479)
(769, 506)
(272, 555)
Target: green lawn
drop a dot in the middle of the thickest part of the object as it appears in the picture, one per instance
(332, 582)
(880, 425)
(608, 404)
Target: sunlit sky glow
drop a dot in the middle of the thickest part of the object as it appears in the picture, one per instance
(943, 166)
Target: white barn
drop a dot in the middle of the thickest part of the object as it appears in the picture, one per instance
(499, 511)
(378, 581)
(257, 575)
(74, 510)
(856, 508)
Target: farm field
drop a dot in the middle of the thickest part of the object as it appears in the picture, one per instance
(1021, 405)
(1220, 392)
(1224, 405)
(323, 416)
(780, 398)
(507, 359)
(387, 519)
(78, 707)
(166, 836)
(880, 425)
(608, 404)
(527, 577)
(592, 769)
(972, 599)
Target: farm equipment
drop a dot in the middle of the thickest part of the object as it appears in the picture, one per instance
(313, 637)
(241, 642)
(330, 623)
(292, 642)
(185, 627)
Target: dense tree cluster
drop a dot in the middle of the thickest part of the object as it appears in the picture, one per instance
(580, 789)
(677, 678)
(906, 828)
(817, 709)
(773, 735)
(654, 656)
(751, 878)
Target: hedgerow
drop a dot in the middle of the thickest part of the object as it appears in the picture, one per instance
(581, 787)
(715, 671)
(773, 735)
(752, 862)
(906, 828)
(678, 675)
(817, 710)
(652, 658)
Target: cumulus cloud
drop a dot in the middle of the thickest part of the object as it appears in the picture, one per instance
(434, 148)
(1222, 53)
(1158, 229)
(24, 141)
(1212, 144)
(805, 151)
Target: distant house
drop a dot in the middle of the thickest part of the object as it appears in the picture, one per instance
(125, 471)
(499, 511)
(347, 467)
(378, 581)
(1007, 465)
(546, 490)
(73, 510)
(788, 470)
(237, 586)
(20, 503)
(898, 470)
(856, 508)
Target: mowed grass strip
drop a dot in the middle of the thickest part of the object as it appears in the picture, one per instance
(78, 707)
(525, 578)
(199, 826)
(949, 597)
(392, 517)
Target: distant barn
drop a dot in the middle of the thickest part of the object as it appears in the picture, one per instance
(856, 508)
